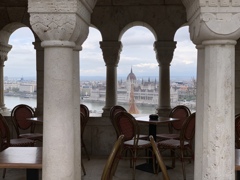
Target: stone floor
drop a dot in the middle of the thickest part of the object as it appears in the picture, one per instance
(95, 166)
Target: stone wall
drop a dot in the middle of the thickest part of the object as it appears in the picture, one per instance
(99, 134)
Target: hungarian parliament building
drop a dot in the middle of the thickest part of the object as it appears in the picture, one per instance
(145, 92)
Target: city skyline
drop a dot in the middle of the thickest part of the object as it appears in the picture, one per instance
(137, 53)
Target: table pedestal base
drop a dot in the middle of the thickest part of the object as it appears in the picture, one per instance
(32, 174)
(148, 167)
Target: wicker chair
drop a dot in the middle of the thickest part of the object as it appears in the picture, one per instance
(181, 112)
(113, 111)
(84, 109)
(83, 124)
(21, 125)
(6, 141)
(159, 159)
(84, 116)
(183, 146)
(127, 125)
(113, 158)
(237, 131)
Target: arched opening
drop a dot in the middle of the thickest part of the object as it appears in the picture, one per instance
(138, 71)
(183, 70)
(20, 70)
(92, 73)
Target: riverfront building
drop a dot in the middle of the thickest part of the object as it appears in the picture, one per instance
(61, 26)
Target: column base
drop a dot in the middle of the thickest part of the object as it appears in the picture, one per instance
(163, 112)
(106, 112)
(5, 111)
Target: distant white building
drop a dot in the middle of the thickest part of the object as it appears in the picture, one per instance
(29, 88)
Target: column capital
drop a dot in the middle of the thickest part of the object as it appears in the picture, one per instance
(4, 49)
(164, 51)
(111, 52)
(54, 20)
(213, 20)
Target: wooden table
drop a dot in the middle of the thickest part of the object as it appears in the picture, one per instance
(148, 167)
(153, 123)
(29, 158)
(36, 119)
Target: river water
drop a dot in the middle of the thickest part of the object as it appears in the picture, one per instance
(95, 107)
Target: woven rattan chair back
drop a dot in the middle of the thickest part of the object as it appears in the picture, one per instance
(18, 117)
(181, 112)
(4, 134)
(237, 131)
(84, 109)
(126, 124)
(113, 111)
(188, 129)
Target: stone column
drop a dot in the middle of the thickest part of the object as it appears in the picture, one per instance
(4, 49)
(237, 77)
(199, 108)
(40, 76)
(217, 30)
(76, 117)
(164, 54)
(59, 24)
(111, 54)
(217, 112)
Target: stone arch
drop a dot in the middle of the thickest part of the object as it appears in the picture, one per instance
(139, 59)
(94, 27)
(7, 30)
(137, 23)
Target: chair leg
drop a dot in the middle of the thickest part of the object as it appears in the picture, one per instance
(173, 158)
(85, 149)
(183, 165)
(4, 173)
(83, 168)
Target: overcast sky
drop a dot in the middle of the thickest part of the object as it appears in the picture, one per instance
(137, 53)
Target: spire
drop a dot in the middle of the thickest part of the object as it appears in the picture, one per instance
(132, 106)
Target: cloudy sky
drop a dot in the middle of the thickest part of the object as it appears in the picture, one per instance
(137, 53)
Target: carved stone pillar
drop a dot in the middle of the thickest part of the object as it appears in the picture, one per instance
(164, 54)
(59, 24)
(217, 30)
(76, 101)
(4, 49)
(40, 76)
(200, 99)
(237, 77)
(111, 54)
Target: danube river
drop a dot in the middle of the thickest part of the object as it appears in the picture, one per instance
(95, 107)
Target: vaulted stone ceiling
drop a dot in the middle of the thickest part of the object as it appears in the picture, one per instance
(14, 3)
(111, 17)
(138, 2)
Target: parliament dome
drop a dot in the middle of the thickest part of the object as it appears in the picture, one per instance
(131, 76)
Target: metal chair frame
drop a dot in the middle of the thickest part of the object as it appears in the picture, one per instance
(159, 158)
(113, 159)
(175, 127)
(6, 141)
(18, 117)
(84, 117)
(127, 125)
(237, 131)
(183, 145)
